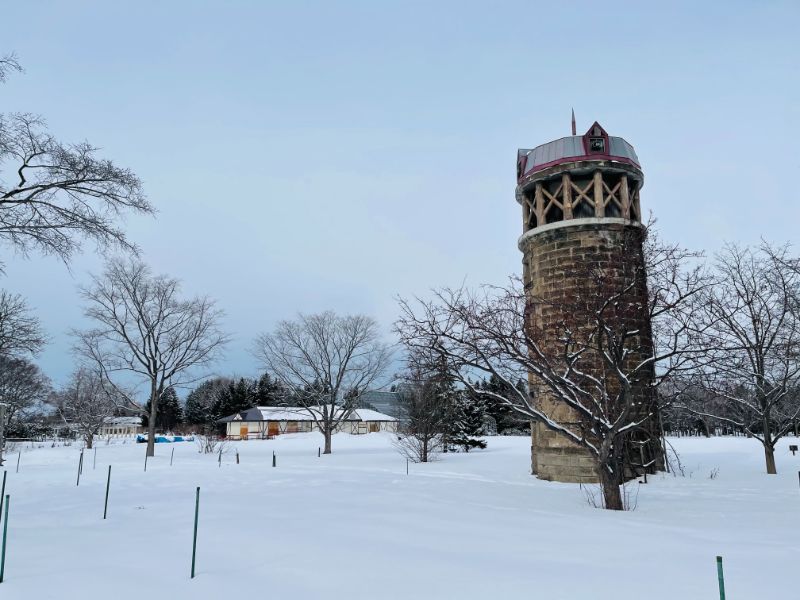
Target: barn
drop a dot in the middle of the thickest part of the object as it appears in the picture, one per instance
(264, 422)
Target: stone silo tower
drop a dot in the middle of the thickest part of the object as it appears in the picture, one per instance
(580, 204)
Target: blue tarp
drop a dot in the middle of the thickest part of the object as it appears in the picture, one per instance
(165, 439)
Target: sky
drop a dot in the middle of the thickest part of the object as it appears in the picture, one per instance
(306, 156)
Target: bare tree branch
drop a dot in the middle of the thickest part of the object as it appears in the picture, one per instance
(325, 361)
(55, 195)
(751, 374)
(20, 332)
(143, 328)
(603, 370)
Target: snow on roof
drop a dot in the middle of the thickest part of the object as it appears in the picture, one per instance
(123, 421)
(300, 413)
(366, 414)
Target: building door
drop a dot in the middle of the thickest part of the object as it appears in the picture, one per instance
(243, 432)
(272, 428)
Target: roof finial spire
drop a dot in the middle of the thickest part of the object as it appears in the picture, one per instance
(574, 131)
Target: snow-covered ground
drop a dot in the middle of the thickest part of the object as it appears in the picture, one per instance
(353, 525)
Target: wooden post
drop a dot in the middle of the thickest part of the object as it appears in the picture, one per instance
(566, 195)
(721, 579)
(220, 458)
(641, 457)
(274, 462)
(145, 461)
(526, 213)
(94, 460)
(108, 485)
(625, 197)
(5, 535)
(194, 539)
(406, 466)
(319, 451)
(599, 207)
(539, 198)
(171, 456)
(237, 457)
(19, 456)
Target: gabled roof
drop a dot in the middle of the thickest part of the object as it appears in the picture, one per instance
(299, 413)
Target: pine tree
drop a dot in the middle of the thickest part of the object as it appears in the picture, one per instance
(467, 426)
(269, 391)
(503, 415)
(201, 401)
(236, 397)
(169, 412)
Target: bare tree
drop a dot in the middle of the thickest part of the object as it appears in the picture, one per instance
(58, 194)
(426, 415)
(8, 64)
(752, 336)
(86, 403)
(145, 329)
(23, 387)
(325, 361)
(602, 370)
(20, 331)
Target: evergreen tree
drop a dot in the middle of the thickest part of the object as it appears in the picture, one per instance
(201, 401)
(236, 397)
(467, 425)
(269, 391)
(503, 415)
(169, 412)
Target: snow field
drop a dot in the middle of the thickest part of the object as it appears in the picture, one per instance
(353, 525)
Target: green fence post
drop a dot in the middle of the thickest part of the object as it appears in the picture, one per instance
(108, 485)
(194, 540)
(80, 465)
(5, 534)
(721, 579)
(3, 493)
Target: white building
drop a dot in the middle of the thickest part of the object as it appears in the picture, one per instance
(262, 422)
(121, 426)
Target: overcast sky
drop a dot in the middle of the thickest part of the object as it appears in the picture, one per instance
(310, 156)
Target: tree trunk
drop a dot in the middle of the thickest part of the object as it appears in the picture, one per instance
(769, 454)
(424, 456)
(151, 423)
(328, 436)
(612, 497)
(2, 431)
(89, 440)
(769, 449)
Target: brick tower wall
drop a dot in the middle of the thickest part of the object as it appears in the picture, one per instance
(555, 272)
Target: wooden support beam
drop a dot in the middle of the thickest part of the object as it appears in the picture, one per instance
(526, 214)
(625, 197)
(539, 199)
(599, 207)
(566, 195)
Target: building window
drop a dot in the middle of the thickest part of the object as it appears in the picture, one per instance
(597, 144)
